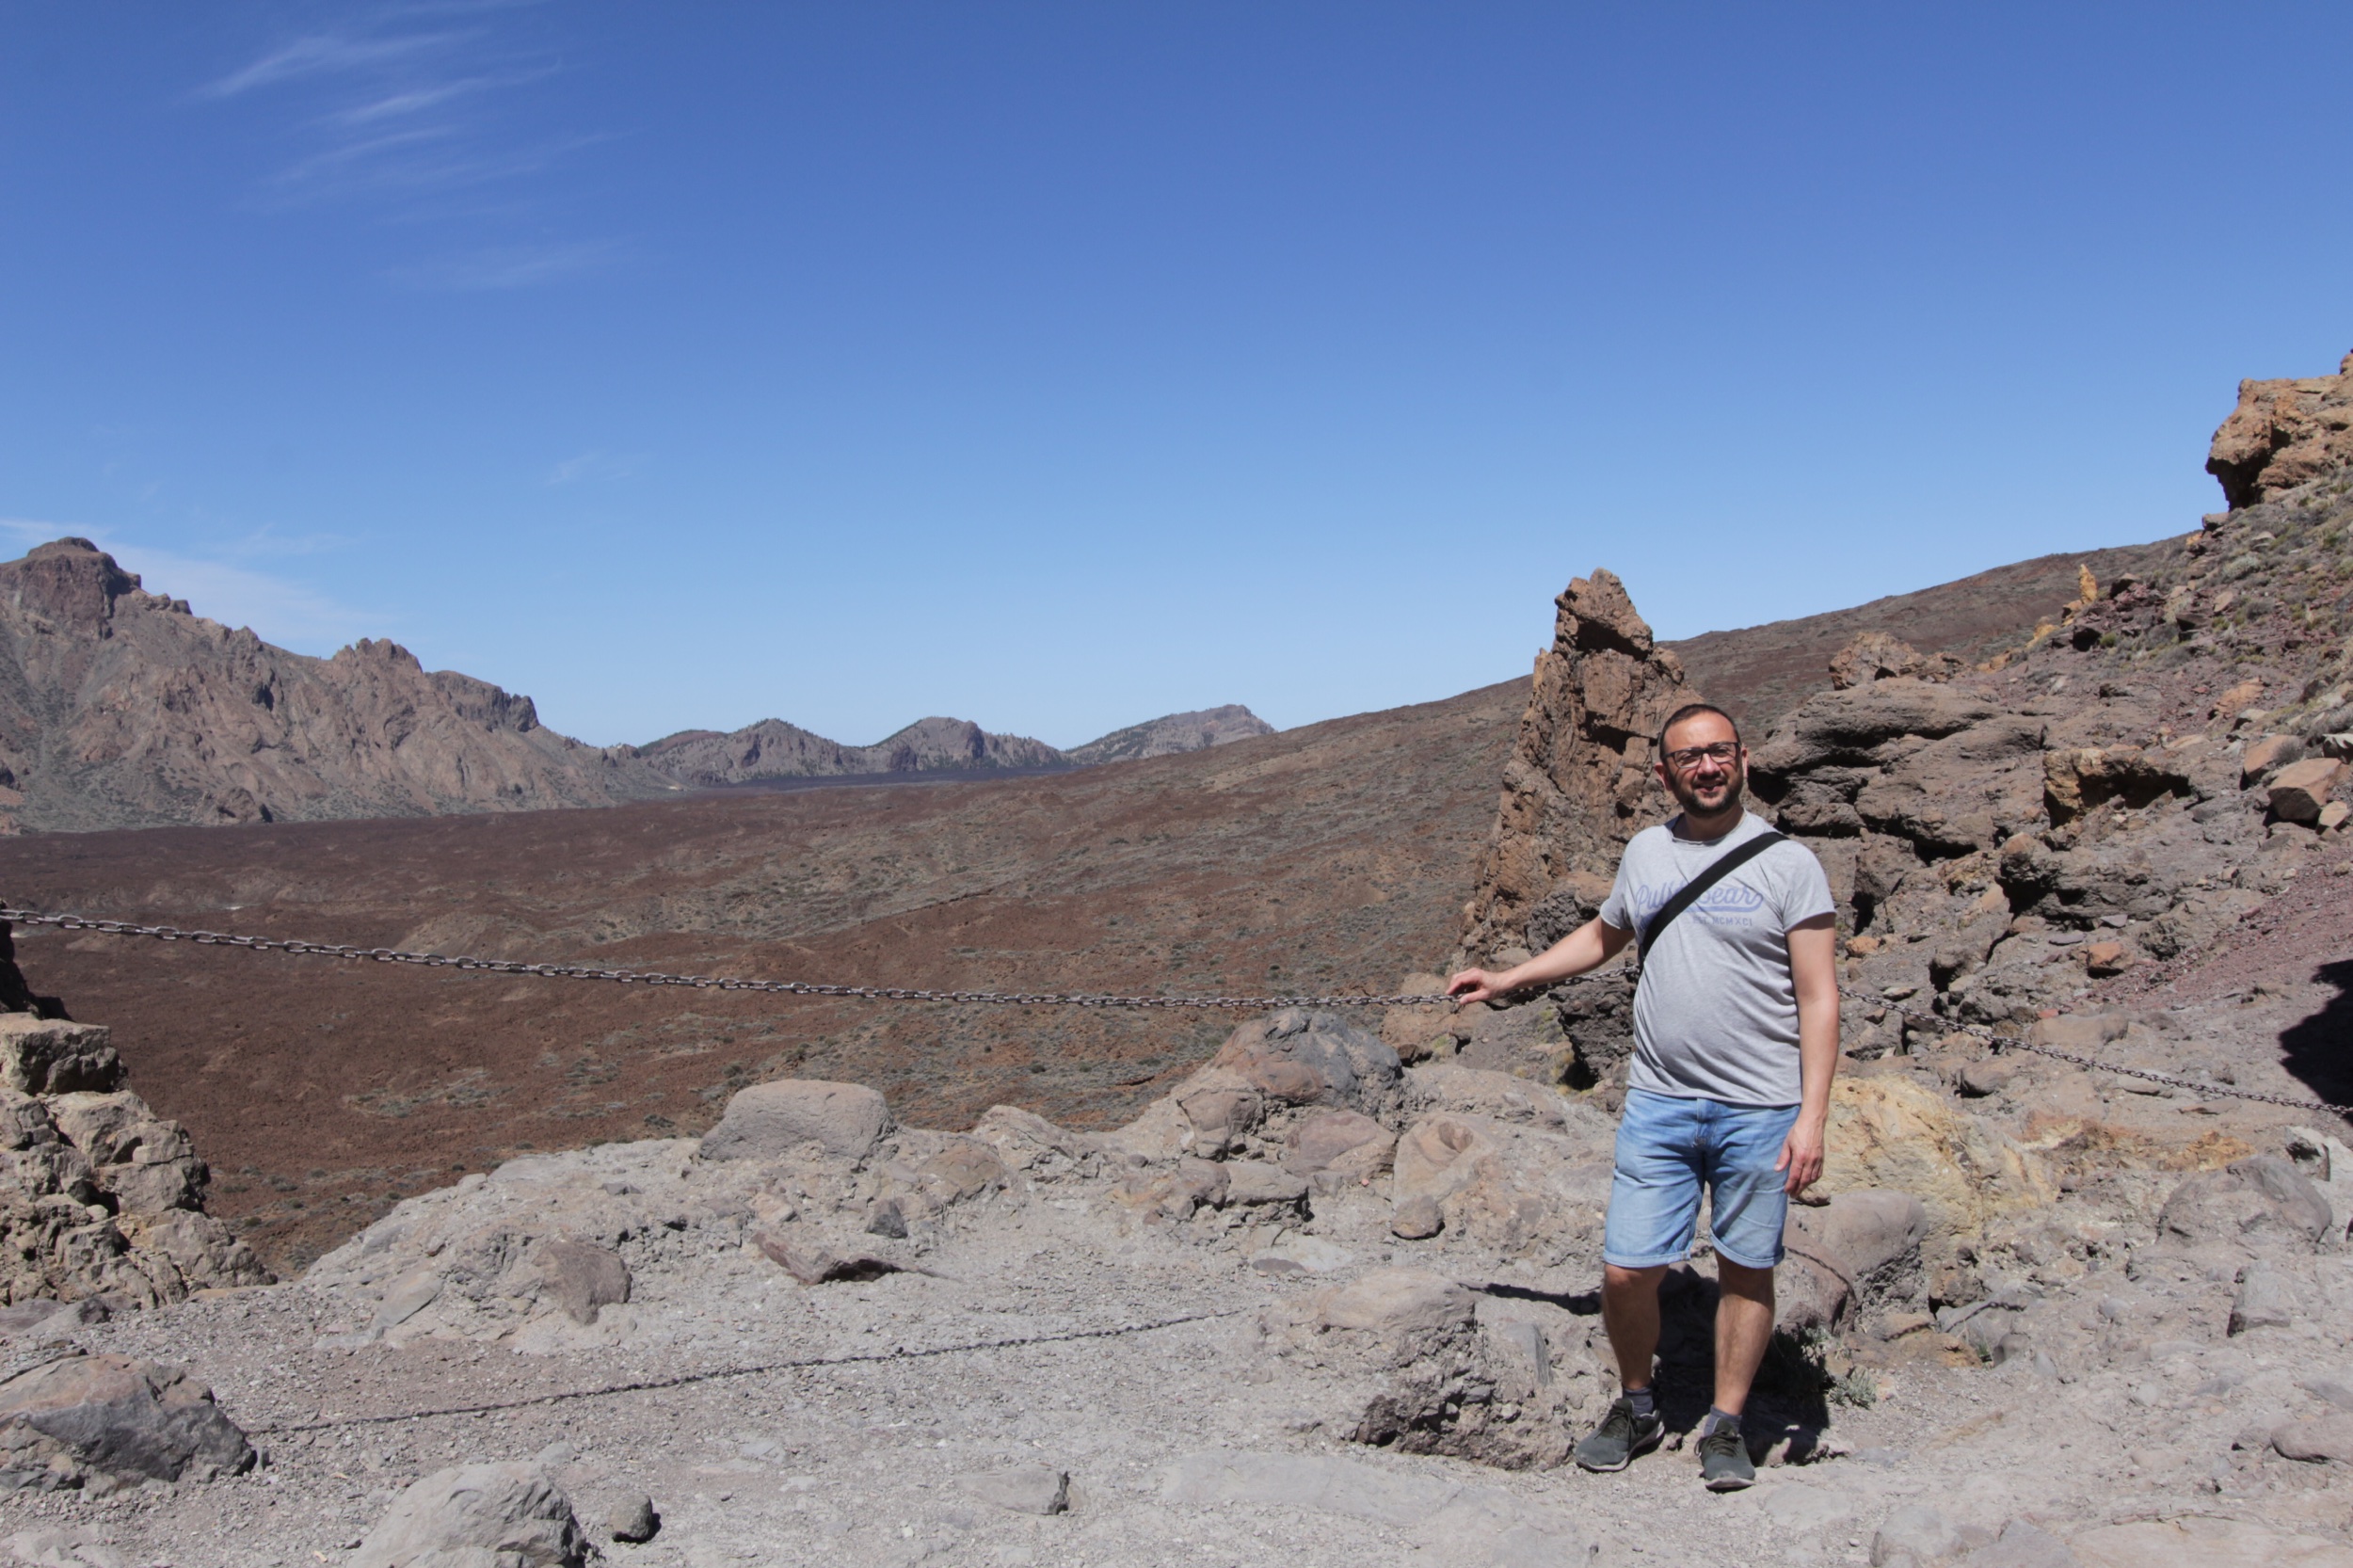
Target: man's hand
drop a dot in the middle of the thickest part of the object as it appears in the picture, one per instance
(1801, 1154)
(1472, 986)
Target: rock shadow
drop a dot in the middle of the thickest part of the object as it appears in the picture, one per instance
(2318, 1050)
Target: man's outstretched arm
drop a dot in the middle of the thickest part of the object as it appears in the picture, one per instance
(1588, 947)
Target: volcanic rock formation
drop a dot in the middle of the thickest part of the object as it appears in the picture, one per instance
(101, 1200)
(1580, 778)
(2284, 433)
(123, 708)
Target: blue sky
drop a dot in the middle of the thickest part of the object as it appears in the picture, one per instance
(1058, 367)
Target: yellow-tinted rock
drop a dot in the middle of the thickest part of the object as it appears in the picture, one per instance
(1895, 1134)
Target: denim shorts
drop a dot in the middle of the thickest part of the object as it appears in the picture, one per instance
(1667, 1150)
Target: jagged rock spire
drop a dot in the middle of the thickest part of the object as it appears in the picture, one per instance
(1578, 783)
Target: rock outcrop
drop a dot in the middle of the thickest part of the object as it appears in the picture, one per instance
(121, 708)
(2284, 433)
(100, 1199)
(487, 1514)
(85, 1420)
(1579, 779)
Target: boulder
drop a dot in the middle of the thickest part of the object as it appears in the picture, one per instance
(1873, 656)
(69, 1420)
(2327, 1440)
(1404, 1310)
(633, 1520)
(52, 1056)
(478, 1517)
(2263, 1300)
(1519, 1191)
(2301, 791)
(1426, 1030)
(1416, 1219)
(2263, 758)
(581, 1277)
(1859, 1252)
(2263, 1198)
(1253, 1183)
(1477, 1092)
(1299, 1058)
(769, 1120)
(2080, 1033)
(1174, 1194)
(1345, 1142)
(1526, 1040)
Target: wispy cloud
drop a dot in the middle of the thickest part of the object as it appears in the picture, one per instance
(327, 54)
(280, 610)
(511, 266)
(592, 466)
(398, 118)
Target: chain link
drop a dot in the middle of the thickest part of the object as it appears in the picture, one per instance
(2000, 1042)
(696, 982)
(718, 1374)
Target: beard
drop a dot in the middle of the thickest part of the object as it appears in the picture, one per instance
(1735, 782)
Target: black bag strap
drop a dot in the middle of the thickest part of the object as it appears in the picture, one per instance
(1723, 866)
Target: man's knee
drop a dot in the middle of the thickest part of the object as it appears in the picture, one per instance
(1619, 1282)
(1739, 1279)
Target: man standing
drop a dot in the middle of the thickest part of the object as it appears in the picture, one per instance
(1736, 1037)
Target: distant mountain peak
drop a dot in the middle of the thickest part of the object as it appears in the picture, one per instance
(1175, 732)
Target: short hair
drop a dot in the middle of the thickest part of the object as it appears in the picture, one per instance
(1692, 710)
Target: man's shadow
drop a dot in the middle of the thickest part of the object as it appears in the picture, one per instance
(2319, 1049)
(1786, 1399)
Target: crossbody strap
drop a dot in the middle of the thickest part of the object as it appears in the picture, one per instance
(1718, 869)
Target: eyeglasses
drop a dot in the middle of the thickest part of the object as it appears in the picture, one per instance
(1688, 758)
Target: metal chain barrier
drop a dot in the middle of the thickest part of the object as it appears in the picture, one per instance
(2001, 1041)
(1050, 999)
(696, 982)
(716, 1374)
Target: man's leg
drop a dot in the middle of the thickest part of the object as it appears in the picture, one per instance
(1630, 1310)
(1748, 1208)
(1744, 1325)
(1654, 1210)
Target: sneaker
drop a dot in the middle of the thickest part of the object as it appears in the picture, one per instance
(1724, 1459)
(1621, 1436)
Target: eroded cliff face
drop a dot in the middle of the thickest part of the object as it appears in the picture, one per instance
(1578, 784)
(121, 708)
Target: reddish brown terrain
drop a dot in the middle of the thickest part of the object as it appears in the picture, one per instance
(1328, 858)
(1332, 857)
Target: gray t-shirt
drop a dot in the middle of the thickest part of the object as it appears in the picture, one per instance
(1716, 1015)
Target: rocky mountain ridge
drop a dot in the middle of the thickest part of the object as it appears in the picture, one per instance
(121, 708)
(775, 750)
